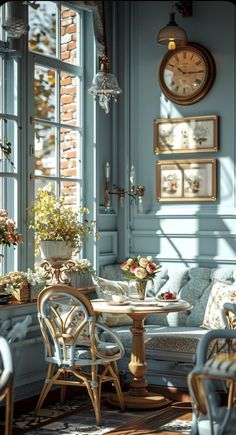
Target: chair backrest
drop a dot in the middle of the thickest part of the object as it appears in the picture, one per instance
(229, 315)
(6, 378)
(66, 319)
(68, 322)
(213, 375)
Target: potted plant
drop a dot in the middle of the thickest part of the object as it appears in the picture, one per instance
(59, 230)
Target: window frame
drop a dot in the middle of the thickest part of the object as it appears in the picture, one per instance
(25, 157)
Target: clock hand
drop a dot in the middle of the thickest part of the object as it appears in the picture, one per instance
(179, 69)
(194, 72)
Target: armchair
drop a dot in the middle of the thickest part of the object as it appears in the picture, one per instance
(212, 384)
(6, 383)
(229, 315)
(73, 350)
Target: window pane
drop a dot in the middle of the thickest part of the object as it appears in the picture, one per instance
(44, 92)
(8, 145)
(42, 33)
(1, 83)
(70, 163)
(45, 149)
(43, 182)
(72, 193)
(11, 90)
(8, 201)
(69, 34)
(69, 99)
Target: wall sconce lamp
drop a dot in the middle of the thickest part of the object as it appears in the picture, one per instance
(173, 35)
(135, 192)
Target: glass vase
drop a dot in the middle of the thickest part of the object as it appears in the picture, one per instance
(141, 289)
(137, 289)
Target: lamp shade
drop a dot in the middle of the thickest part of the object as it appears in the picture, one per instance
(172, 35)
(104, 85)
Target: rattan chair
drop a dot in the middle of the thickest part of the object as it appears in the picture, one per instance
(229, 315)
(6, 383)
(73, 349)
(212, 384)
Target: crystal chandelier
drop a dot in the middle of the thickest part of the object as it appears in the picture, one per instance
(104, 85)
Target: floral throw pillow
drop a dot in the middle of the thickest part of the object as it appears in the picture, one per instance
(220, 293)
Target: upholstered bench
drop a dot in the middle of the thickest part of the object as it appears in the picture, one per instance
(171, 340)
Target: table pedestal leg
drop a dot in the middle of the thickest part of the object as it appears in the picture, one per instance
(138, 396)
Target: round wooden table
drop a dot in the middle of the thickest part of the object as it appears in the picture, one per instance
(138, 396)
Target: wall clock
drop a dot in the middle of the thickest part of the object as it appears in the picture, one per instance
(187, 73)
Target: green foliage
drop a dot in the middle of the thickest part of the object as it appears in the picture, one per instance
(52, 219)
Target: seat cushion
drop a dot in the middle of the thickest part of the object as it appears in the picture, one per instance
(102, 347)
(160, 338)
(220, 294)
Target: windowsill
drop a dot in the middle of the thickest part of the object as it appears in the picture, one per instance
(14, 304)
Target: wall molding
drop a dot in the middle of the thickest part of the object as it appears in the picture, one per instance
(199, 234)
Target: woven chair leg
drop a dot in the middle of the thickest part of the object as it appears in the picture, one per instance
(96, 395)
(46, 388)
(63, 389)
(9, 411)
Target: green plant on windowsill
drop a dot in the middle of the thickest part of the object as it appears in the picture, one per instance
(52, 219)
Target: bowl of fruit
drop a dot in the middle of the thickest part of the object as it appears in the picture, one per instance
(167, 296)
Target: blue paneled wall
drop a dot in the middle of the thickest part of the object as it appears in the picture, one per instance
(198, 233)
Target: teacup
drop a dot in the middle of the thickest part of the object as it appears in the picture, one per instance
(118, 299)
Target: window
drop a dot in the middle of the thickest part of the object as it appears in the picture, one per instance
(10, 137)
(47, 87)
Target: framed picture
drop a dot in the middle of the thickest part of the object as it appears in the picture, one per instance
(185, 135)
(186, 180)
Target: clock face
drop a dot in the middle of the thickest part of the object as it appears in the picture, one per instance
(186, 74)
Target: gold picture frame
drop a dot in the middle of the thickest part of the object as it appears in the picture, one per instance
(193, 134)
(186, 180)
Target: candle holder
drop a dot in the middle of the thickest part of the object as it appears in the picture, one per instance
(135, 193)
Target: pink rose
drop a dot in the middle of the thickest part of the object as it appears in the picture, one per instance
(151, 267)
(133, 267)
(3, 213)
(10, 238)
(143, 262)
(124, 266)
(19, 238)
(140, 272)
(10, 224)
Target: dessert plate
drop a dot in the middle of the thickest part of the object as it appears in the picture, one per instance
(167, 300)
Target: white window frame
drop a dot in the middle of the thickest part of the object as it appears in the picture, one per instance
(25, 157)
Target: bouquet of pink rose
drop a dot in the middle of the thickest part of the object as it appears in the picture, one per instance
(140, 268)
(8, 233)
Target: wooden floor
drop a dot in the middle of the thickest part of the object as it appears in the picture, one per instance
(150, 424)
(180, 408)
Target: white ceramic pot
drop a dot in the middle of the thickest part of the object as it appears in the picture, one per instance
(55, 251)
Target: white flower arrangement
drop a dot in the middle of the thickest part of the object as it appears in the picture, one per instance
(83, 266)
